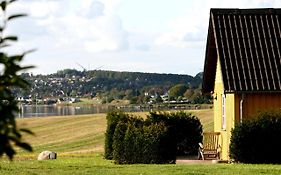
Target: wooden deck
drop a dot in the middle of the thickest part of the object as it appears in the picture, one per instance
(193, 160)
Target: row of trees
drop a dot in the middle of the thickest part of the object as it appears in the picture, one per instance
(183, 92)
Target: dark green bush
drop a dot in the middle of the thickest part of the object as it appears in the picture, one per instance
(132, 144)
(157, 139)
(156, 146)
(118, 143)
(257, 140)
(112, 120)
(185, 130)
(147, 144)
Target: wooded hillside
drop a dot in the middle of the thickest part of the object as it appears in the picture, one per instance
(134, 86)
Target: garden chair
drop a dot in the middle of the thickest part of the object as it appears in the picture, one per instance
(210, 148)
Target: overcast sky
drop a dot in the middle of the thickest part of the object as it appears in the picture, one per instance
(162, 36)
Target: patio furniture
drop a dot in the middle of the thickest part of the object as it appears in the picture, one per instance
(210, 148)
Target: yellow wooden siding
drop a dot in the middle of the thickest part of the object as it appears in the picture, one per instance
(252, 103)
(258, 102)
(229, 113)
(230, 123)
(218, 91)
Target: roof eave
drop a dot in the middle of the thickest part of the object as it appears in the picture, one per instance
(210, 61)
(255, 92)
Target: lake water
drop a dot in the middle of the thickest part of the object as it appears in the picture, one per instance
(58, 110)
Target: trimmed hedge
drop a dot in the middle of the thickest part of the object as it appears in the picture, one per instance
(257, 140)
(184, 128)
(113, 118)
(118, 143)
(158, 139)
(146, 144)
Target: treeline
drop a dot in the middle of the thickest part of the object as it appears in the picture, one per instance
(111, 85)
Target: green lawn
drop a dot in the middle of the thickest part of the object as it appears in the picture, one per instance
(95, 164)
(79, 142)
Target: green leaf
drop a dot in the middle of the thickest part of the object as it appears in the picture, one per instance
(3, 5)
(16, 57)
(4, 45)
(27, 67)
(10, 152)
(11, 38)
(16, 16)
(29, 51)
(25, 146)
(11, 1)
(10, 136)
(27, 131)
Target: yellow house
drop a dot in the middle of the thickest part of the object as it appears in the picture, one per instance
(242, 66)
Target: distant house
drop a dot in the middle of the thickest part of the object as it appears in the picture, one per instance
(242, 66)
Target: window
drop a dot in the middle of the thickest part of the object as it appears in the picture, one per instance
(223, 112)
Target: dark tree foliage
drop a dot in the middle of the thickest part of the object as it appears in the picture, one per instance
(10, 135)
(113, 118)
(184, 128)
(147, 144)
(136, 142)
(105, 82)
(118, 146)
(158, 139)
(177, 90)
(257, 140)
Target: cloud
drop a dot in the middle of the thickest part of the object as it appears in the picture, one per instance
(92, 25)
(143, 47)
(185, 31)
(96, 9)
(190, 29)
(150, 36)
(106, 34)
(41, 10)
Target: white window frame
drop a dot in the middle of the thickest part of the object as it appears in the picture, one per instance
(223, 112)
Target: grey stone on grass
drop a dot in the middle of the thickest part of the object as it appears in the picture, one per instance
(47, 155)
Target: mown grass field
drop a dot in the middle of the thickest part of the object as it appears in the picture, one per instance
(77, 134)
(79, 142)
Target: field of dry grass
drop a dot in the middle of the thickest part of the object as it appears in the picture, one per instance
(66, 135)
(72, 135)
(206, 118)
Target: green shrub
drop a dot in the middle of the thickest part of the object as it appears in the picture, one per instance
(131, 139)
(112, 120)
(141, 144)
(156, 146)
(10, 68)
(184, 128)
(257, 140)
(118, 143)
(132, 142)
